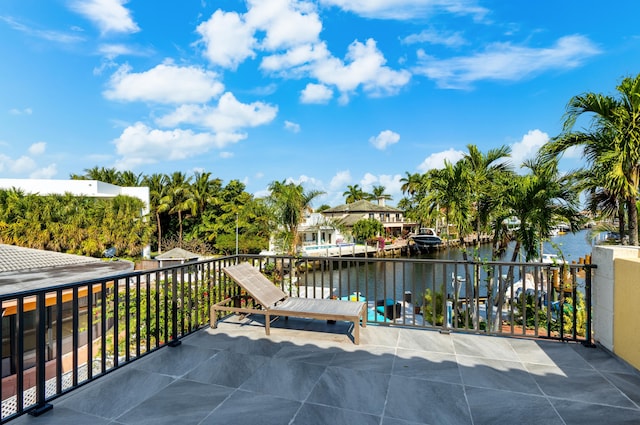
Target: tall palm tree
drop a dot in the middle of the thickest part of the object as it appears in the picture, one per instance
(180, 197)
(484, 174)
(449, 188)
(411, 183)
(158, 186)
(354, 193)
(619, 119)
(540, 200)
(290, 202)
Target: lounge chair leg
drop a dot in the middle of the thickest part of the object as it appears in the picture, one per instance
(356, 332)
(214, 318)
(267, 324)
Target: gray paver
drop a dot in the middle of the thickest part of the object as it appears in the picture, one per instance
(237, 374)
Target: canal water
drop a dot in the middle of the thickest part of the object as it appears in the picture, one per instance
(381, 280)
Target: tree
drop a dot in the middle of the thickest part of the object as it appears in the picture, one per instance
(158, 202)
(619, 120)
(180, 197)
(485, 172)
(354, 193)
(367, 228)
(378, 193)
(290, 202)
(540, 200)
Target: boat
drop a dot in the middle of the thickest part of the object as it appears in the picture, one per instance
(427, 237)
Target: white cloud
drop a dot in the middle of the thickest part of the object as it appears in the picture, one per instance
(434, 37)
(286, 23)
(45, 173)
(229, 116)
(225, 155)
(436, 160)
(228, 41)
(340, 180)
(409, 9)
(292, 126)
(112, 51)
(166, 83)
(291, 46)
(316, 93)
(24, 164)
(527, 147)
(384, 139)
(139, 144)
(108, 15)
(367, 181)
(364, 66)
(37, 148)
(55, 36)
(505, 61)
(25, 111)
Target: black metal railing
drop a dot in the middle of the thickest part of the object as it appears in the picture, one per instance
(59, 338)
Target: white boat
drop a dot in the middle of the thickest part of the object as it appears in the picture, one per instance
(427, 237)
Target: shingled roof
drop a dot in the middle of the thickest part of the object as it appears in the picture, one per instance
(361, 207)
(25, 268)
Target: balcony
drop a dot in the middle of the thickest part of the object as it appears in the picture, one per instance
(457, 345)
(310, 372)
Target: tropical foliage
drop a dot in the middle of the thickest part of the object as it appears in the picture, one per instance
(78, 225)
(612, 149)
(289, 203)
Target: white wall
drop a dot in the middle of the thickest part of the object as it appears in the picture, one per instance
(603, 290)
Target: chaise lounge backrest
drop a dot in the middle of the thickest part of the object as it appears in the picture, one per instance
(261, 289)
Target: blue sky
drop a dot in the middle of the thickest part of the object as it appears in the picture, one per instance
(326, 93)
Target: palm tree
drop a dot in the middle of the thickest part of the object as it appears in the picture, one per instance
(449, 188)
(180, 197)
(290, 203)
(484, 172)
(354, 193)
(158, 186)
(619, 120)
(378, 194)
(540, 200)
(411, 183)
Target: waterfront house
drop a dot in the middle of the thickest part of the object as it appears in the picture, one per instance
(391, 218)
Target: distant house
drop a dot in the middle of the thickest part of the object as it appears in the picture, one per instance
(348, 214)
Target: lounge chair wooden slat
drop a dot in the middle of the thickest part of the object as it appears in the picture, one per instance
(275, 302)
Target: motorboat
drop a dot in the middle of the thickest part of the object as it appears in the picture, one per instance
(427, 237)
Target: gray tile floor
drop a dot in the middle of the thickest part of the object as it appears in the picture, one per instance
(309, 372)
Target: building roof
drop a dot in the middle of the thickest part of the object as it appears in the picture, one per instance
(23, 269)
(177, 254)
(361, 207)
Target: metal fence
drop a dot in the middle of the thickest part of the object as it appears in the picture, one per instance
(59, 338)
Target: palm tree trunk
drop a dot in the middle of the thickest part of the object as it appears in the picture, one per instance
(633, 221)
(180, 226)
(621, 221)
(159, 234)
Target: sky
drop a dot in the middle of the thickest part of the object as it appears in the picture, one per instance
(326, 93)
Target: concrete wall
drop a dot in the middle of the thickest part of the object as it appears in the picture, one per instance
(626, 299)
(616, 297)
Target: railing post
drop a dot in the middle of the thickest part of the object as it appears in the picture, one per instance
(41, 376)
(174, 310)
(587, 294)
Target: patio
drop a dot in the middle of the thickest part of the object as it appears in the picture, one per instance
(310, 372)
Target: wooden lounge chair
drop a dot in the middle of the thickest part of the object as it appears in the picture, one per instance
(270, 301)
